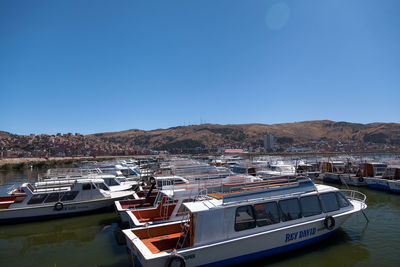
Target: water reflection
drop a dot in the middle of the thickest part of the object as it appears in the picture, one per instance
(76, 231)
(13, 176)
(320, 253)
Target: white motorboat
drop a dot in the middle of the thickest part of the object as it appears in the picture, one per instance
(166, 206)
(253, 222)
(27, 202)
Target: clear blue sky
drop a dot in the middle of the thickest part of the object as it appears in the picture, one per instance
(96, 66)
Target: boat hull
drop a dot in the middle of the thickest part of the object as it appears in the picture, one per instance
(354, 181)
(25, 214)
(331, 178)
(394, 186)
(378, 183)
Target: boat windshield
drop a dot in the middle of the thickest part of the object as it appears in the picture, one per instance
(30, 187)
(102, 186)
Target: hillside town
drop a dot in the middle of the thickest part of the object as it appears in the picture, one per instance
(76, 145)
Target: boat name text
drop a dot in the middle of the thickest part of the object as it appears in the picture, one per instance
(300, 234)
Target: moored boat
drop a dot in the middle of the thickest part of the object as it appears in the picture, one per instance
(331, 171)
(253, 222)
(380, 182)
(364, 171)
(166, 205)
(28, 203)
(393, 173)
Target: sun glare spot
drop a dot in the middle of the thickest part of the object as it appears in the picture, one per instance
(277, 16)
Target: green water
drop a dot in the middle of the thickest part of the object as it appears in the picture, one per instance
(95, 240)
(356, 243)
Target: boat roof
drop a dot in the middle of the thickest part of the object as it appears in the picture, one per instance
(263, 195)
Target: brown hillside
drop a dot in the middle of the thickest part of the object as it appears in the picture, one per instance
(211, 135)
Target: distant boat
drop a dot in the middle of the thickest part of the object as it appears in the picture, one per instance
(331, 171)
(365, 172)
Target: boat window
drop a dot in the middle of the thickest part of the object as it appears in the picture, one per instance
(36, 199)
(53, 197)
(126, 172)
(86, 186)
(244, 218)
(290, 209)
(329, 202)
(310, 206)
(169, 201)
(102, 186)
(70, 195)
(178, 181)
(30, 187)
(112, 182)
(343, 202)
(107, 181)
(267, 213)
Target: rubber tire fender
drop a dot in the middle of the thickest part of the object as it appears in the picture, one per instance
(175, 257)
(361, 179)
(329, 222)
(58, 206)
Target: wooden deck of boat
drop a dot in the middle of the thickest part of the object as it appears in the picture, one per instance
(162, 243)
(220, 195)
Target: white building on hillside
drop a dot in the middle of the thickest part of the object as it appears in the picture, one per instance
(268, 142)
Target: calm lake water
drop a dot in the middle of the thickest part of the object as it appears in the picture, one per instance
(95, 240)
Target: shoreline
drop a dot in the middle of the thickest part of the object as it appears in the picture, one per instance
(8, 164)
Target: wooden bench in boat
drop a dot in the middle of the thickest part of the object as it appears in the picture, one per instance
(153, 219)
(162, 243)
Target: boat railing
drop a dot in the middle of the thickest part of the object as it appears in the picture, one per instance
(56, 185)
(354, 195)
(9, 187)
(68, 173)
(202, 193)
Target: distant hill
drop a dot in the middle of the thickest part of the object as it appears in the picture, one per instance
(242, 135)
(319, 136)
(4, 134)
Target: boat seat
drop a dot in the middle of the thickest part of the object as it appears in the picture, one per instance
(152, 219)
(160, 243)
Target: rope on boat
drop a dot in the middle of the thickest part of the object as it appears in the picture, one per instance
(365, 215)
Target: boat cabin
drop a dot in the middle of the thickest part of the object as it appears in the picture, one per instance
(81, 190)
(245, 213)
(333, 167)
(392, 173)
(371, 169)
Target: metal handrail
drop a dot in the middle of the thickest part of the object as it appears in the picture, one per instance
(354, 195)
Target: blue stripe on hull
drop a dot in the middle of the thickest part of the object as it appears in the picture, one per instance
(379, 186)
(395, 191)
(269, 252)
(52, 216)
